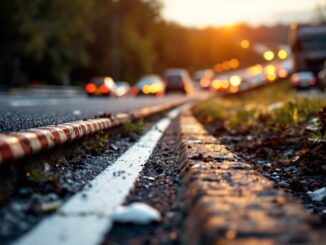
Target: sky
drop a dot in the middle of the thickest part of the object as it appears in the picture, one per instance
(202, 13)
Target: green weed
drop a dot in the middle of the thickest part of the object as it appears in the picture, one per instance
(36, 176)
(273, 108)
(134, 127)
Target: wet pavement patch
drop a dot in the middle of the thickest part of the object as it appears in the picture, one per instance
(157, 186)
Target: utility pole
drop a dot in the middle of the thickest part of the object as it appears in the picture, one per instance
(115, 56)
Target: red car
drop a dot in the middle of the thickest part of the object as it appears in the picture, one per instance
(101, 86)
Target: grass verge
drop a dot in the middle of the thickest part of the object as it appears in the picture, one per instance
(282, 134)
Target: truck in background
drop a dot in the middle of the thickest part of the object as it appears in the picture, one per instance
(308, 46)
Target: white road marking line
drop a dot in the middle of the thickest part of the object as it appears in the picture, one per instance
(22, 103)
(33, 102)
(85, 218)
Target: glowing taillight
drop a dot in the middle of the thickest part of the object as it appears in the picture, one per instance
(204, 82)
(283, 73)
(295, 79)
(90, 88)
(313, 81)
(134, 90)
(104, 89)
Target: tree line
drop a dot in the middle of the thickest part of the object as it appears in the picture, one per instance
(67, 42)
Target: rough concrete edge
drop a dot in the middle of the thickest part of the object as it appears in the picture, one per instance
(193, 224)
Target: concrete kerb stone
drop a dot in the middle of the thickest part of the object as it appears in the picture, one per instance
(227, 202)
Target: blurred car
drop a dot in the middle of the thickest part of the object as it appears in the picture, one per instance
(101, 86)
(220, 84)
(149, 85)
(305, 79)
(235, 83)
(256, 76)
(284, 69)
(122, 88)
(178, 80)
(322, 77)
(270, 72)
(203, 79)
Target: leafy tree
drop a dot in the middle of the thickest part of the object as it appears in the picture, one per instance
(48, 34)
(123, 38)
(52, 40)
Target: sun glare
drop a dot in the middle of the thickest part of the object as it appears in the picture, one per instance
(220, 13)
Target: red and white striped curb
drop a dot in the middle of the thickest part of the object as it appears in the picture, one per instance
(14, 146)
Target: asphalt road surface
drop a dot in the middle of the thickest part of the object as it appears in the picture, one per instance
(24, 112)
(311, 94)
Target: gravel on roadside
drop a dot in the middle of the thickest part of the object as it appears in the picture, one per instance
(157, 186)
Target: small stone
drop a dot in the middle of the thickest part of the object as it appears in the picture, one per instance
(114, 147)
(47, 167)
(318, 195)
(149, 178)
(18, 207)
(170, 214)
(50, 206)
(52, 197)
(173, 235)
(76, 113)
(283, 184)
(25, 191)
(250, 137)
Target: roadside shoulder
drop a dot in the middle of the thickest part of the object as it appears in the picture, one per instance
(227, 202)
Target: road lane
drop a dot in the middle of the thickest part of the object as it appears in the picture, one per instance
(23, 112)
(86, 220)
